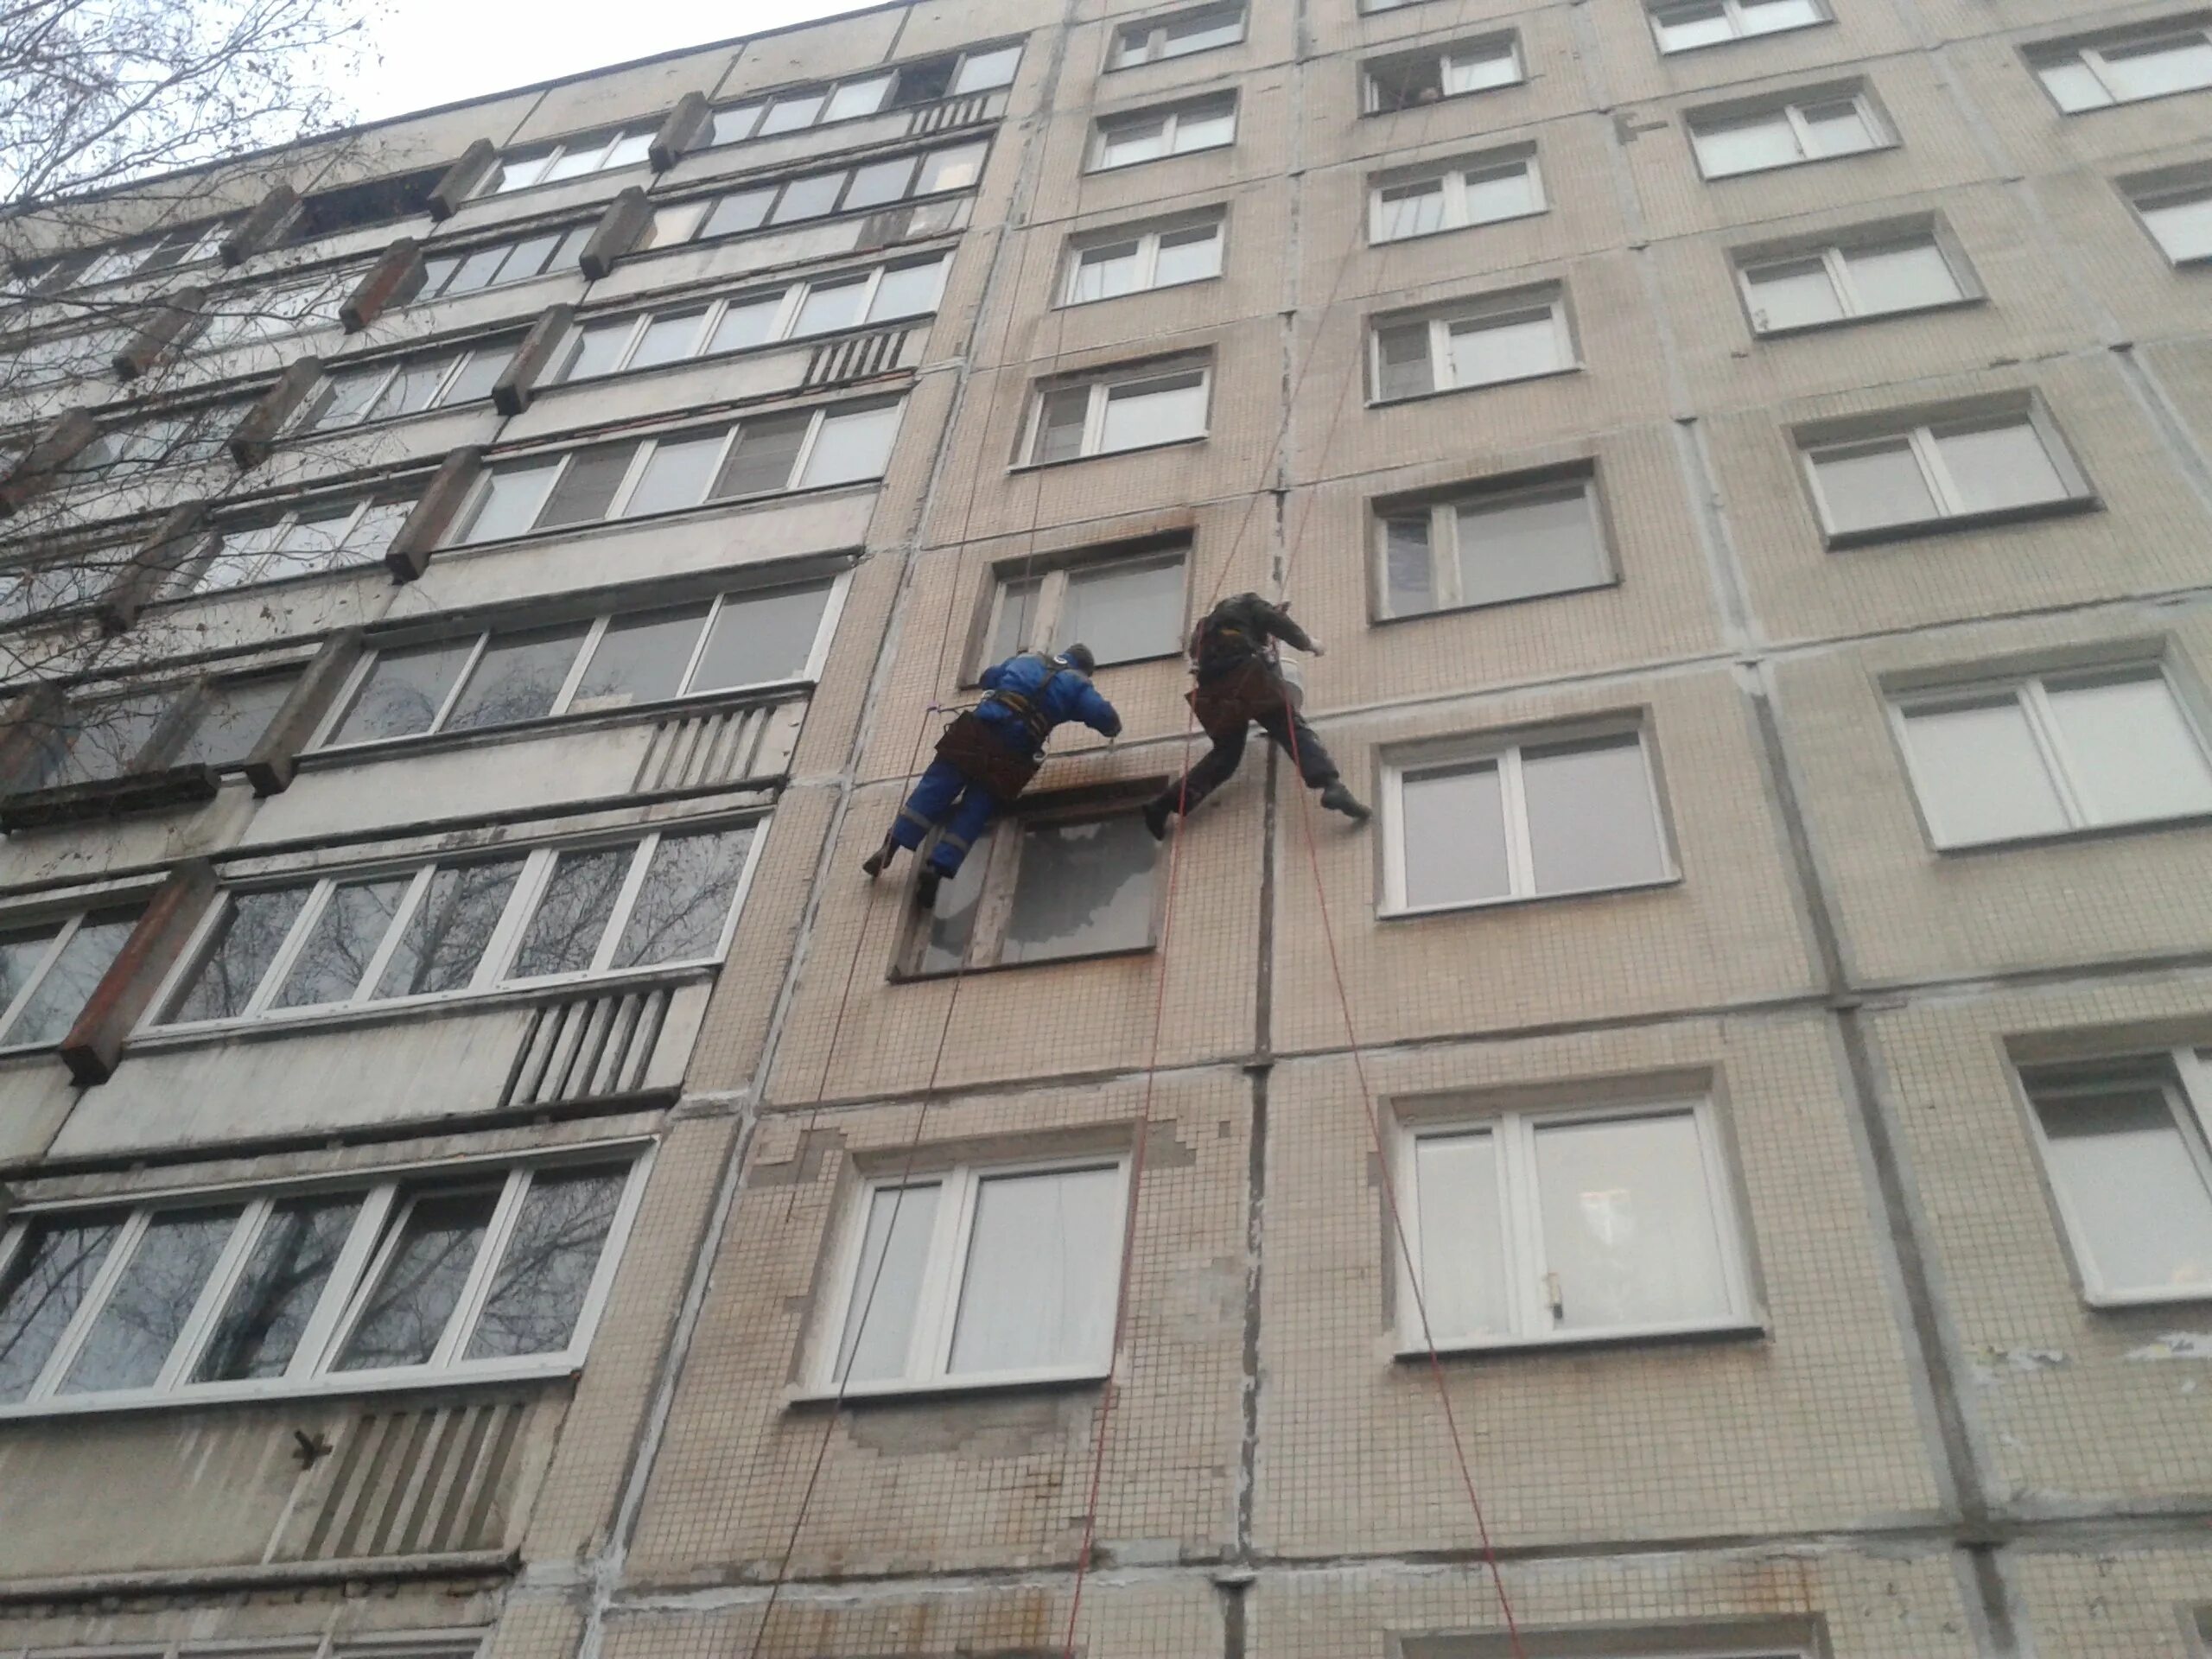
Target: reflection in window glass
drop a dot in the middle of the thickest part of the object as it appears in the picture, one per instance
(641, 657)
(68, 984)
(680, 911)
(234, 963)
(260, 1329)
(572, 912)
(447, 933)
(551, 1256)
(1081, 889)
(143, 1316)
(516, 678)
(334, 957)
(41, 1289)
(2134, 1188)
(405, 688)
(426, 1266)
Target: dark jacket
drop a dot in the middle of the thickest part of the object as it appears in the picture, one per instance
(1032, 694)
(1238, 630)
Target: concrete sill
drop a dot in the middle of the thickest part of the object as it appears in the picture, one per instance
(1719, 1330)
(1477, 906)
(945, 1392)
(1020, 466)
(1481, 385)
(1965, 302)
(1136, 293)
(921, 976)
(1450, 230)
(1920, 529)
(1606, 585)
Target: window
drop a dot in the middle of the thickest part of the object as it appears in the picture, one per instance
(185, 438)
(979, 69)
(2041, 755)
(1045, 887)
(301, 541)
(1476, 190)
(1199, 28)
(365, 202)
(2132, 1174)
(465, 925)
(1539, 1227)
(859, 299)
(1849, 281)
(571, 158)
(1125, 609)
(725, 642)
(1812, 129)
(1489, 547)
(1122, 409)
(2178, 215)
(1575, 813)
(793, 449)
(979, 1275)
(214, 723)
(2095, 73)
(391, 387)
(184, 244)
(1507, 337)
(469, 1269)
(48, 972)
(1409, 81)
(445, 276)
(1170, 130)
(1133, 258)
(867, 185)
(1686, 24)
(1963, 468)
(256, 316)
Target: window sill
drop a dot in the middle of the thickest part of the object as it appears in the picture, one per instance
(1920, 529)
(923, 976)
(1791, 167)
(1965, 302)
(1373, 241)
(1138, 293)
(1441, 98)
(137, 1402)
(1154, 161)
(946, 1391)
(1707, 1330)
(2131, 103)
(1171, 57)
(2091, 832)
(1514, 901)
(1479, 386)
(1107, 454)
(1607, 585)
(1740, 39)
(2116, 1301)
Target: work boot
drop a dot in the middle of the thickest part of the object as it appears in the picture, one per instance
(1156, 812)
(879, 860)
(1338, 799)
(925, 887)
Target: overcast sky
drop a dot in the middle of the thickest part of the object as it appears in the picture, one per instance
(440, 51)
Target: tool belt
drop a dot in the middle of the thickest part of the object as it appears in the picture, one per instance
(1244, 693)
(984, 757)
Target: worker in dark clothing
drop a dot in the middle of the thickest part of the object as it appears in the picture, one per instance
(988, 756)
(1232, 655)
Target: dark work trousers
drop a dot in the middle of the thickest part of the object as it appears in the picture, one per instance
(1218, 765)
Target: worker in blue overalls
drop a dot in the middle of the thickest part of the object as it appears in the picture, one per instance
(988, 756)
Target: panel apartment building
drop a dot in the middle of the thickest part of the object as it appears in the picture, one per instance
(483, 1173)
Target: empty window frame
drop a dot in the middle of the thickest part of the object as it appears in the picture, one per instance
(248, 316)
(1133, 258)
(2178, 215)
(1571, 1224)
(2131, 1173)
(978, 1275)
(1408, 81)
(1962, 467)
(2106, 70)
(1046, 885)
(629, 478)
(821, 305)
(721, 643)
(1206, 122)
(185, 245)
(469, 1269)
(548, 915)
(2045, 754)
(447, 275)
(979, 69)
(1809, 128)
(1574, 812)
(215, 723)
(1126, 608)
(49, 969)
(1489, 546)
(1850, 280)
(1483, 342)
(1177, 35)
(863, 187)
(1684, 25)
(572, 157)
(302, 540)
(1473, 190)
(1133, 408)
(357, 394)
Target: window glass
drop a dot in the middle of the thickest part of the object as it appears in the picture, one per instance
(676, 475)
(229, 718)
(808, 198)
(1188, 255)
(879, 182)
(741, 210)
(1747, 145)
(1205, 127)
(146, 1312)
(1981, 773)
(2132, 1184)
(887, 1289)
(447, 933)
(1124, 612)
(510, 500)
(425, 1267)
(1871, 485)
(246, 941)
(2074, 85)
(1016, 623)
(1454, 836)
(1838, 128)
(405, 688)
(762, 457)
(260, 1329)
(1413, 209)
(41, 1290)
(1997, 466)
(981, 72)
(830, 305)
(2151, 69)
(1041, 1271)
(345, 399)
(1683, 27)
(734, 123)
(1461, 1244)
(598, 349)
(516, 678)
(668, 338)
(1488, 350)
(1591, 822)
(908, 291)
(791, 112)
(628, 149)
(957, 168)
(1103, 273)
(1541, 544)
(641, 657)
(758, 638)
(856, 97)
(2130, 749)
(952, 918)
(1061, 421)
(19, 957)
(1477, 70)
(746, 322)
(1902, 278)
(851, 448)
(1157, 410)
(1502, 192)
(68, 985)
(1794, 293)
(100, 741)
(1629, 1230)
(572, 912)
(680, 911)
(537, 1294)
(334, 957)
(586, 485)
(1125, 143)
(2182, 224)
(1401, 357)
(1081, 889)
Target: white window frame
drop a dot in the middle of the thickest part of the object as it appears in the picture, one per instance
(1732, 11)
(2092, 56)
(1052, 597)
(2146, 199)
(549, 155)
(1835, 260)
(1371, 94)
(1447, 574)
(185, 580)
(1922, 438)
(587, 647)
(1148, 236)
(1880, 132)
(353, 1277)
(1531, 1289)
(1155, 38)
(1519, 851)
(59, 943)
(1452, 179)
(1171, 117)
(511, 245)
(492, 973)
(1493, 311)
(462, 357)
(259, 319)
(2031, 692)
(760, 102)
(1100, 389)
(943, 1277)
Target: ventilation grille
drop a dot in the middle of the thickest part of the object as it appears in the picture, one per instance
(588, 1047)
(952, 113)
(856, 358)
(420, 1481)
(695, 751)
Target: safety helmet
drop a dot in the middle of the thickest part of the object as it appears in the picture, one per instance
(1079, 656)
